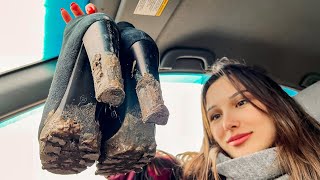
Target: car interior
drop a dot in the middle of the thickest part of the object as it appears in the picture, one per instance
(278, 36)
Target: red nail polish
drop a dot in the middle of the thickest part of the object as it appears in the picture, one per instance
(73, 3)
(90, 10)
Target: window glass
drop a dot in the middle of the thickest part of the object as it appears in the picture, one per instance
(21, 33)
(31, 31)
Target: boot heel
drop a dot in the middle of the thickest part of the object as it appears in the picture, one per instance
(102, 45)
(143, 51)
(150, 99)
(148, 86)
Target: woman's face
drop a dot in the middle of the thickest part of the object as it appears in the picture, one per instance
(236, 125)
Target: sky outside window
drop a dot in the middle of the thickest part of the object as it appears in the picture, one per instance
(21, 33)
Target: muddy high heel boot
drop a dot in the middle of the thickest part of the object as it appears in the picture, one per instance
(133, 145)
(69, 134)
(143, 51)
(70, 137)
(128, 144)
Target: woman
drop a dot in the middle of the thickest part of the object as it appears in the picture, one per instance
(252, 130)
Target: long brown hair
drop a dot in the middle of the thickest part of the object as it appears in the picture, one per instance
(297, 133)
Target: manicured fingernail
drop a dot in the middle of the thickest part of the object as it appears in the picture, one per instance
(72, 4)
(90, 10)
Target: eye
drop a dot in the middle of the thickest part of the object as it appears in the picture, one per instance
(215, 117)
(242, 102)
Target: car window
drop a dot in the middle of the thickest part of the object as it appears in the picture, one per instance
(31, 31)
(21, 33)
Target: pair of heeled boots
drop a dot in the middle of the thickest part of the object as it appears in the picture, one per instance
(104, 100)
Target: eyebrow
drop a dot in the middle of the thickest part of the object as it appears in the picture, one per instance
(232, 96)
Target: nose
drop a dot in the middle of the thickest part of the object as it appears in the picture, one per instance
(230, 121)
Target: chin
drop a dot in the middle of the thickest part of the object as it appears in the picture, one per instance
(246, 149)
(239, 153)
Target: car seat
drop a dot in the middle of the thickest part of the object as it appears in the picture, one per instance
(309, 99)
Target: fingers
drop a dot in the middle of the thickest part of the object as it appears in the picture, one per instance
(65, 15)
(91, 8)
(76, 10)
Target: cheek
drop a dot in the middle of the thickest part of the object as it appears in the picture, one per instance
(217, 132)
(271, 130)
(265, 126)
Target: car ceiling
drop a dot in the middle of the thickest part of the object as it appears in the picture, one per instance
(280, 36)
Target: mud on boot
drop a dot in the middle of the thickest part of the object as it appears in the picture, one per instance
(140, 49)
(131, 148)
(70, 137)
(102, 44)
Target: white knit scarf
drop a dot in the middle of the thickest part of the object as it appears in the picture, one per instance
(259, 165)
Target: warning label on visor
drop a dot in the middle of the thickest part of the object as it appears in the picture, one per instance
(150, 7)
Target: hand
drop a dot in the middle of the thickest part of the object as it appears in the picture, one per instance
(77, 11)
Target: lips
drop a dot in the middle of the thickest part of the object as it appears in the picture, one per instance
(239, 139)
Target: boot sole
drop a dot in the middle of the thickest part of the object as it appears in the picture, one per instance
(70, 143)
